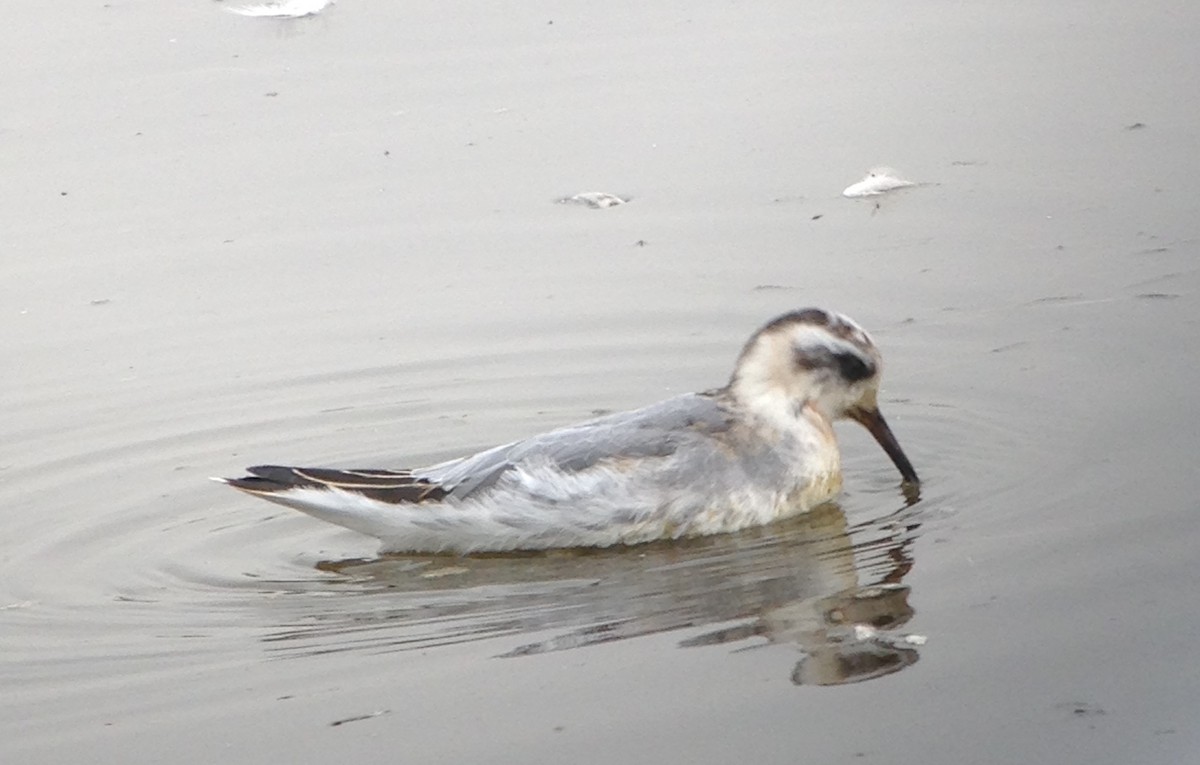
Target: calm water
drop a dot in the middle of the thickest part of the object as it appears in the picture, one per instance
(331, 241)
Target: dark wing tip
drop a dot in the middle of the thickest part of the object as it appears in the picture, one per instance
(261, 480)
(392, 486)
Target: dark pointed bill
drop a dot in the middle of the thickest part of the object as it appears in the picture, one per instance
(873, 421)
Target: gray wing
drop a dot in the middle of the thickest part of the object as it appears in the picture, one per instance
(656, 431)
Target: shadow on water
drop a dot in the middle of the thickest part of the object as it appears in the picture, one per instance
(831, 589)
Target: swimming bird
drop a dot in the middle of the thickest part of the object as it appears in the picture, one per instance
(759, 449)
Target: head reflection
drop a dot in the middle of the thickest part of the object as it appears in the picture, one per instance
(832, 590)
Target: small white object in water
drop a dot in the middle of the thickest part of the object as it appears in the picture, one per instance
(283, 9)
(596, 199)
(438, 573)
(878, 181)
(915, 639)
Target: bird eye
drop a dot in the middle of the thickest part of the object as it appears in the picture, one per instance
(853, 367)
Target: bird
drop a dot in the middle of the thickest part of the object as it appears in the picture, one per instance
(759, 449)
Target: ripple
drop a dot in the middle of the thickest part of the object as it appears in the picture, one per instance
(808, 581)
(116, 535)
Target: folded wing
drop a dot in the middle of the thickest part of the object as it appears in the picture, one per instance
(656, 431)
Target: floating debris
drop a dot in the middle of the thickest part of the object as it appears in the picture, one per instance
(1082, 709)
(358, 718)
(878, 181)
(283, 9)
(597, 200)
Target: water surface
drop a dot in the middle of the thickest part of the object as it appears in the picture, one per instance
(335, 241)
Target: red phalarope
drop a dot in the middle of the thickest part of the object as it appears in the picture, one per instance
(757, 450)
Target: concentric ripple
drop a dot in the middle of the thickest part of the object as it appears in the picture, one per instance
(133, 571)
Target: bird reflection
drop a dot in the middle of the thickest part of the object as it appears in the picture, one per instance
(815, 582)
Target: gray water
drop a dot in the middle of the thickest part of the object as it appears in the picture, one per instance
(334, 241)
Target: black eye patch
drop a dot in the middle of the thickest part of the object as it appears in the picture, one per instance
(850, 366)
(853, 367)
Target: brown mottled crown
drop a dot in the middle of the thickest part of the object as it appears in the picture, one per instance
(839, 325)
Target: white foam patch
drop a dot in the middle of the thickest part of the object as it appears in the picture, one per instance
(879, 180)
(595, 199)
(284, 9)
